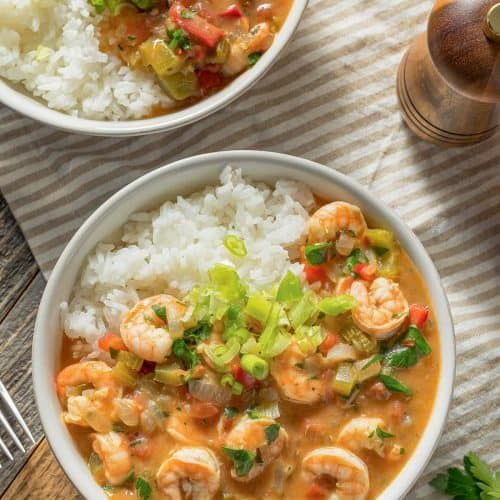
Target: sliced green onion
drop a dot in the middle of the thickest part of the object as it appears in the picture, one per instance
(302, 311)
(227, 380)
(268, 410)
(255, 366)
(333, 306)
(226, 280)
(308, 338)
(394, 385)
(236, 332)
(130, 360)
(289, 289)
(220, 355)
(318, 253)
(273, 340)
(170, 375)
(250, 347)
(345, 379)
(237, 388)
(258, 307)
(235, 245)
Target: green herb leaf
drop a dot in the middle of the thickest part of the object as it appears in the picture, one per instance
(394, 385)
(230, 412)
(178, 38)
(253, 58)
(355, 258)
(381, 434)
(272, 432)
(183, 353)
(318, 253)
(187, 14)
(243, 460)
(420, 343)
(439, 482)
(143, 488)
(160, 311)
(376, 358)
(406, 357)
(197, 334)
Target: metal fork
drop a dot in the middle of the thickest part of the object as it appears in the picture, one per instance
(5, 424)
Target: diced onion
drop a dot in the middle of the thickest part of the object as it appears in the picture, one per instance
(174, 320)
(344, 244)
(341, 352)
(209, 391)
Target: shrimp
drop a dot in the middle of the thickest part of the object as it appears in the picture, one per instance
(147, 334)
(343, 466)
(259, 39)
(294, 382)
(361, 433)
(190, 472)
(333, 220)
(95, 373)
(382, 308)
(250, 435)
(114, 452)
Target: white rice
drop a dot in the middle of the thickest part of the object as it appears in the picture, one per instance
(171, 249)
(51, 47)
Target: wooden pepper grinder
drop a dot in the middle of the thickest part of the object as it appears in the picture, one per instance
(449, 80)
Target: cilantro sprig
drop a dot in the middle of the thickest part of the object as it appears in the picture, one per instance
(476, 482)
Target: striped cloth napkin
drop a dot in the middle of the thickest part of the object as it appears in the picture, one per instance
(330, 98)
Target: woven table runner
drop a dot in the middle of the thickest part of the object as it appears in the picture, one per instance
(330, 98)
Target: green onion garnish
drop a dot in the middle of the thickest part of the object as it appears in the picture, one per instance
(235, 245)
(255, 366)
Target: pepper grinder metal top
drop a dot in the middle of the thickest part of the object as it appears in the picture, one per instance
(449, 80)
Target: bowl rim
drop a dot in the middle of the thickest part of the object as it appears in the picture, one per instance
(429, 440)
(29, 106)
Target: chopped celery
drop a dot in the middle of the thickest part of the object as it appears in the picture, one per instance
(345, 379)
(180, 85)
(250, 346)
(333, 306)
(302, 311)
(236, 332)
(258, 307)
(368, 368)
(220, 355)
(309, 338)
(389, 263)
(226, 280)
(222, 51)
(380, 238)
(289, 289)
(160, 57)
(170, 375)
(255, 366)
(359, 340)
(130, 360)
(124, 375)
(273, 339)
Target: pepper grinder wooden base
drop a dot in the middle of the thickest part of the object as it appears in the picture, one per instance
(430, 104)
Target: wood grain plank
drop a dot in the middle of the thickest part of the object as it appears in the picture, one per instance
(41, 478)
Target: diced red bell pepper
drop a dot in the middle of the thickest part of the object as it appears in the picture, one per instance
(111, 341)
(208, 80)
(418, 315)
(315, 273)
(195, 25)
(330, 340)
(244, 378)
(366, 272)
(233, 12)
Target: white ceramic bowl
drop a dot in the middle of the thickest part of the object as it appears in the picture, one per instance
(184, 177)
(16, 98)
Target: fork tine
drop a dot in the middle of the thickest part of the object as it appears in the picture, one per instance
(12, 434)
(10, 403)
(5, 449)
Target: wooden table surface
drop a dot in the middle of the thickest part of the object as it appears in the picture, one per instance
(36, 474)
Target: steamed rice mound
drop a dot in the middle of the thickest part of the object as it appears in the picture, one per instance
(171, 249)
(51, 47)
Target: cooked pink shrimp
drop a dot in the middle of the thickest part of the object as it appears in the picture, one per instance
(113, 450)
(335, 221)
(350, 473)
(382, 308)
(365, 433)
(148, 328)
(250, 435)
(294, 383)
(190, 472)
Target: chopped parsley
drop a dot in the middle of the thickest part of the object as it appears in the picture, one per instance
(178, 39)
(160, 312)
(243, 460)
(272, 432)
(318, 253)
(354, 258)
(394, 385)
(199, 333)
(230, 412)
(407, 356)
(183, 353)
(187, 14)
(253, 58)
(143, 488)
(381, 434)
